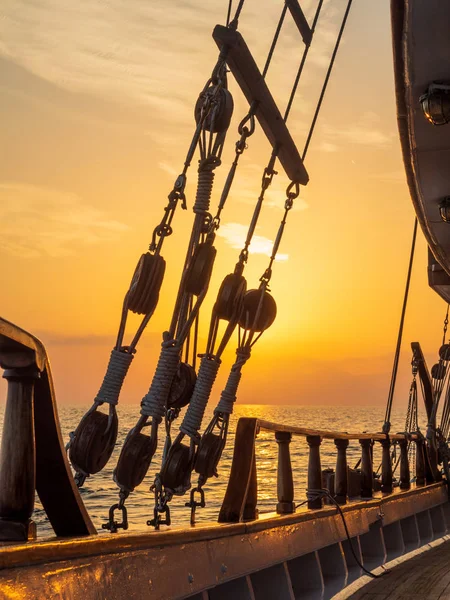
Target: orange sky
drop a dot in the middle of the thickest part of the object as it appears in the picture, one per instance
(97, 105)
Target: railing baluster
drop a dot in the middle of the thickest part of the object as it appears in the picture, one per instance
(366, 469)
(314, 470)
(18, 456)
(405, 476)
(285, 483)
(340, 480)
(386, 467)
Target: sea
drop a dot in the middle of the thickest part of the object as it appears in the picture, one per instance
(100, 492)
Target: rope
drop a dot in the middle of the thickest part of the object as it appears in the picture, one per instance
(153, 403)
(312, 495)
(204, 186)
(205, 380)
(119, 363)
(327, 77)
(387, 418)
(302, 63)
(229, 393)
(274, 41)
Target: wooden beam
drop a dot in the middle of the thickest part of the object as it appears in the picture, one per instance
(54, 482)
(425, 378)
(300, 20)
(242, 476)
(252, 84)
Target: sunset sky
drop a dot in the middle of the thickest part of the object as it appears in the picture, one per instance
(96, 115)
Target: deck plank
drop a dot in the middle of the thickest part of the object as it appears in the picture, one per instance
(424, 576)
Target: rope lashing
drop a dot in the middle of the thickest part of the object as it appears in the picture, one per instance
(153, 404)
(204, 186)
(119, 363)
(387, 417)
(207, 374)
(229, 393)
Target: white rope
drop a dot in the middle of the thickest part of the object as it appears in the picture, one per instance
(118, 366)
(229, 393)
(205, 380)
(153, 404)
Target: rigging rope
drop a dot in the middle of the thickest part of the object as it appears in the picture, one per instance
(219, 422)
(387, 418)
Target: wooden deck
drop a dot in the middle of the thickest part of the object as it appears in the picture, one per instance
(426, 576)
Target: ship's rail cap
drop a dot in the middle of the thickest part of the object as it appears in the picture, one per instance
(263, 425)
(18, 348)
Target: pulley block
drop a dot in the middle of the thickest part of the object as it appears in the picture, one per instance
(93, 442)
(444, 352)
(266, 315)
(208, 454)
(200, 268)
(438, 371)
(134, 460)
(146, 284)
(182, 386)
(177, 467)
(219, 117)
(228, 305)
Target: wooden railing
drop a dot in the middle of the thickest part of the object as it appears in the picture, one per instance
(32, 456)
(241, 496)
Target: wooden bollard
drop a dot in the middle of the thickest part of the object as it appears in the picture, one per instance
(285, 483)
(420, 462)
(405, 476)
(340, 480)
(386, 467)
(314, 469)
(18, 456)
(366, 469)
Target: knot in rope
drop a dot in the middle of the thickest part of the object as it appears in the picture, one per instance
(153, 404)
(118, 366)
(229, 393)
(205, 185)
(207, 374)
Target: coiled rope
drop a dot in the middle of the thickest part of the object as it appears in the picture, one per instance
(118, 366)
(193, 417)
(154, 402)
(229, 393)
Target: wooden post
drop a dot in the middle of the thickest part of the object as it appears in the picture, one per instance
(314, 469)
(405, 477)
(18, 457)
(242, 481)
(366, 469)
(386, 467)
(250, 511)
(285, 483)
(340, 481)
(420, 462)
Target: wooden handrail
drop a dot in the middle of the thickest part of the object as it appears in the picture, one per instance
(240, 499)
(333, 435)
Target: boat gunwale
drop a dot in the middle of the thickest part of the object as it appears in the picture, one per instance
(60, 549)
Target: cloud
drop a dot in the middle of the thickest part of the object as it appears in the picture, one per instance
(235, 233)
(328, 147)
(37, 221)
(390, 177)
(365, 131)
